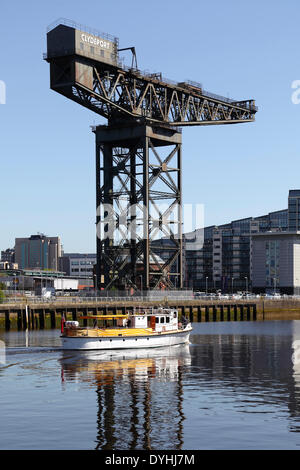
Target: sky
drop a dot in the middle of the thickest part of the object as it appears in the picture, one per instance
(243, 50)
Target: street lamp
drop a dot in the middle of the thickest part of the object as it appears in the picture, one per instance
(206, 284)
(232, 284)
(274, 283)
(246, 284)
(141, 286)
(15, 279)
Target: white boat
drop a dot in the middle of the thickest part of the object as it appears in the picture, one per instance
(144, 328)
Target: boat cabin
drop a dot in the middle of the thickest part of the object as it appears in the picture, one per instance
(157, 319)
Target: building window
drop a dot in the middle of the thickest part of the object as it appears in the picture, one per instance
(272, 263)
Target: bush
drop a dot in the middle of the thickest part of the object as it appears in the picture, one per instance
(2, 296)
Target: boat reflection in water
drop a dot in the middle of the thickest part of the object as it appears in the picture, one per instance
(139, 394)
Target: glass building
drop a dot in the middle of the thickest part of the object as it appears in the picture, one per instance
(224, 262)
(276, 262)
(38, 252)
(272, 263)
(294, 210)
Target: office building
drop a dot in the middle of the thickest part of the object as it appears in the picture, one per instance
(294, 210)
(276, 262)
(78, 264)
(38, 252)
(8, 255)
(224, 262)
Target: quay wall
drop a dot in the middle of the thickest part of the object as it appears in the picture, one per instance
(48, 314)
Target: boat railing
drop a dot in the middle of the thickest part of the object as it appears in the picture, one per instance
(156, 310)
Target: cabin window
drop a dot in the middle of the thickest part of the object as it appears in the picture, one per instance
(175, 314)
(156, 320)
(162, 319)
(167, 319)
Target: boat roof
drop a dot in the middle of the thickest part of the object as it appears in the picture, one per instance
(144, 312)
(102, 317)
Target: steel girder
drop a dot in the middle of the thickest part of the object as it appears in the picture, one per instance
(138, 178)
(118, 93)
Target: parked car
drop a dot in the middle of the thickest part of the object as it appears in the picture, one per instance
(237, 296)
(276, 295)
(198, 295)
(223, 296)
(273, 296)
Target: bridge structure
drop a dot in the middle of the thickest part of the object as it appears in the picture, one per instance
(138, 153)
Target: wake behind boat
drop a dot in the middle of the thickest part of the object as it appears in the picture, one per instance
(144, 328)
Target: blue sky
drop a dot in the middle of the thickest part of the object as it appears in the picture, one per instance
(236, 49)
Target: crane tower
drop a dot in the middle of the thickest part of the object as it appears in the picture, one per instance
(138, 152)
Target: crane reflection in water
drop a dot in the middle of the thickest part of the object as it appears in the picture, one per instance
(139, 395)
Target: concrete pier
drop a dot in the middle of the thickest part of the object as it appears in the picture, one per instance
(45, 315)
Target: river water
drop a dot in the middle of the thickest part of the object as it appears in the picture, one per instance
(235, 386)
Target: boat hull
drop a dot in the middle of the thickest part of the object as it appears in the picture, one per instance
(128, 342)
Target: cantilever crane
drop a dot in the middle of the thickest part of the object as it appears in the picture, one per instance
(144, 112)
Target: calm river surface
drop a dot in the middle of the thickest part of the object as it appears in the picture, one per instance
(234, 387)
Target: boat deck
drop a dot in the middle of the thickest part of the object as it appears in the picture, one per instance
(114, 332)
(103, 332)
